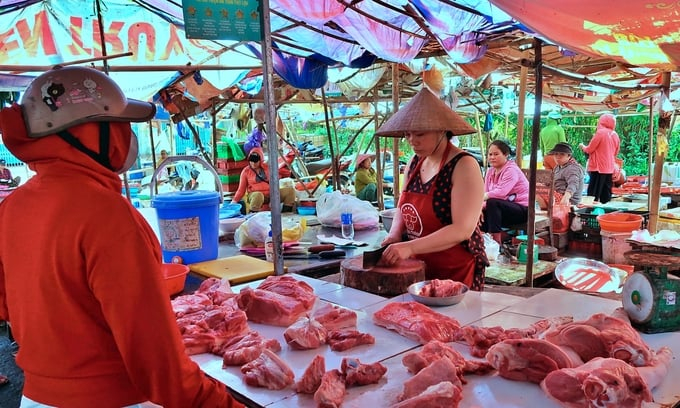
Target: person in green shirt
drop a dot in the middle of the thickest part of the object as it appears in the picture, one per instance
(365, 179)
(551, 135)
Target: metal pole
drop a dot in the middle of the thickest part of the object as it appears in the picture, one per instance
(272, 138)
(396, 188)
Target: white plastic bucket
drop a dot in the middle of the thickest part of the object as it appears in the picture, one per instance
(614, 245)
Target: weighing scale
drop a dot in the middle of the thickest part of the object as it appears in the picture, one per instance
(649, 297)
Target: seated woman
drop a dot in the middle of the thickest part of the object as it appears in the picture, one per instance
(568, 178)
(506, 198)
(365, 179)
(255, 181)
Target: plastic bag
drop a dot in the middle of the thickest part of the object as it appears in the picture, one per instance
(237, 152)
(560, 218)
(491, 246)
(329, 206)
(255, 230)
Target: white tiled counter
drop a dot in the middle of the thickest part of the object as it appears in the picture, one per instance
(482, 309)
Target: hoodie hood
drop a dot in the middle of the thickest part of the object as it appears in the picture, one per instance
(36, 152)
(607, 120)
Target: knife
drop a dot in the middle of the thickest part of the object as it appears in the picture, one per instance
(332, 254)
(371, 258)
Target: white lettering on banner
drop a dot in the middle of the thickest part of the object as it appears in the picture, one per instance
(56, 37)
(181, 234)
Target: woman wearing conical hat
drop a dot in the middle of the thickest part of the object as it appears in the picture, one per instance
(437, 218)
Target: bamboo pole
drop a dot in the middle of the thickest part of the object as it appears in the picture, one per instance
(396, 189)
(482, 146)
(334, 161)
(661, 150)
(650, 150)
(536, 129)
(524, 73)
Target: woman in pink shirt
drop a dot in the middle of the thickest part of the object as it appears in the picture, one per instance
(603, 148)
(506, 198)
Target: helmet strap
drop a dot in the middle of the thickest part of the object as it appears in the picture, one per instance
(104, 141)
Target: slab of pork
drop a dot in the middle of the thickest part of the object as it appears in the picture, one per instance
(345, 339)
(417, 322)
(602, 335)
(263, 306)
(245, 348)
(287, 285)
(440, 370)
(305, 334)
(527, 359)
(601, 382)
(334, 317)
(415, 361)
(311, 378)
(268, 371)
(358, 373)
(331, 392)
(441, 395)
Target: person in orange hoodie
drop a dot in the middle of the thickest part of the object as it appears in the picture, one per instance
(80, 268)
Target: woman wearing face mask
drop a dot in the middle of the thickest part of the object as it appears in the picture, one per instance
(79, 253)
(568, 179)
(507, 192)
(439, 207)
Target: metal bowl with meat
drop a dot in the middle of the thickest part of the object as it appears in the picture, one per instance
(436, 292)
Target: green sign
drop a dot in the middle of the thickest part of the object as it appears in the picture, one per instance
(237, 20)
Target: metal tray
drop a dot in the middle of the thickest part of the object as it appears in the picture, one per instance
(415, 288)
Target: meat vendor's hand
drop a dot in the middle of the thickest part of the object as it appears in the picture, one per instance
(396, 252)
(390, 240)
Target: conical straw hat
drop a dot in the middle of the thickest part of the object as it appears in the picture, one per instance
(425, 112)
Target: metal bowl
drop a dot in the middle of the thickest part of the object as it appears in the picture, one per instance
(587, 275)
(415, 288)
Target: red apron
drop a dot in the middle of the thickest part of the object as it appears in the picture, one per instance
(419, 218)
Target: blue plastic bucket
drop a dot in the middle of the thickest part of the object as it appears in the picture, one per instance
(188, 222)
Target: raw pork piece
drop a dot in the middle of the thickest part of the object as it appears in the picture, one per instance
(243, 349)
(417, 322)
(441, 395)
(357, 373)
(331, 392)
(415, 361)
(334, 317)
(481, 338)
(341, 340)
(204, 330)
(263, 306)
(305, 334)
(442, 288)
(268, 371)
(654, 374)
(440, 370)
(527, 359)
(194, 302)
(288, 286)
(311, 379)
(218, 290)
(602, 335)
(601, 382)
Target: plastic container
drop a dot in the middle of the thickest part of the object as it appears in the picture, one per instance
(175, 276)
(188, 222)
(269, 248)
(619, 222)
(614, 245)
(306, 210)
(387, 218)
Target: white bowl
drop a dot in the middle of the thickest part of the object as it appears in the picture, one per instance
(415, 288)
(229, 225)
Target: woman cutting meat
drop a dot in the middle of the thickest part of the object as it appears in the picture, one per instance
(438, 213)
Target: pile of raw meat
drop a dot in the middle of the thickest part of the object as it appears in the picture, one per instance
(215, 320)
(599, 362)
(442, 288)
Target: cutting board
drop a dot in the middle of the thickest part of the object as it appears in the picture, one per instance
(237, 269)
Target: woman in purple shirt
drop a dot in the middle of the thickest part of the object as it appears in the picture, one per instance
(506, 198)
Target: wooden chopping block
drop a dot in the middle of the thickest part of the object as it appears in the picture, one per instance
(381, 280)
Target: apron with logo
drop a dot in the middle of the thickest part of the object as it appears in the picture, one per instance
(456, 263)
